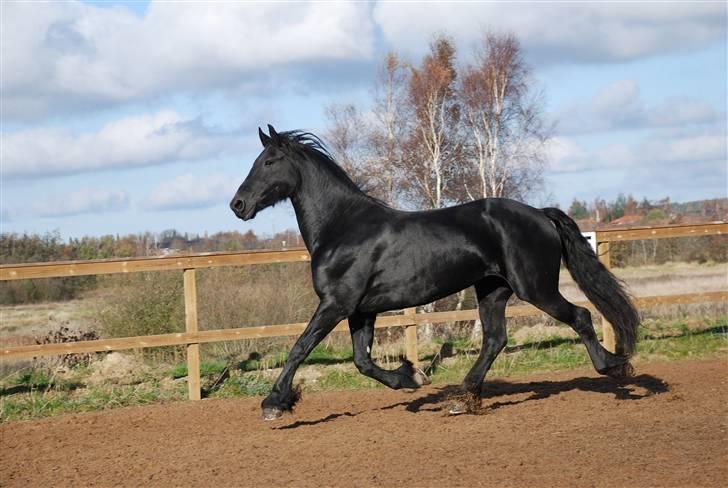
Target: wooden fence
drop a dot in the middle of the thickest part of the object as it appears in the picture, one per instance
(192, 337)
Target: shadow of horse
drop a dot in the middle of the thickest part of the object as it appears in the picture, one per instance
(540, 390)
(437, 400)
(328, 418)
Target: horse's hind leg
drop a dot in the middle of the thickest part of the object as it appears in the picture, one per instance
(362, 337)
(579, 318)
(492, 294)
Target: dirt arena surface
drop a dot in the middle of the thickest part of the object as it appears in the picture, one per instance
(666, 427)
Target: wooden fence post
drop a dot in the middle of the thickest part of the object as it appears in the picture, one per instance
(193, 350)
(608, 340)
(410, 337)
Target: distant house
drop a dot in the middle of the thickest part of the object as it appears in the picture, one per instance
(694, 219)
(627, 220)
(587, 225)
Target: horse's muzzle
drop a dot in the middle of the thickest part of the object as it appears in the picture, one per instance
(241, 210)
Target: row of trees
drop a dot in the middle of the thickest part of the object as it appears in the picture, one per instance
(438, 132)
(663, 210)
(19, 248)
(30, 248)
(601, 211)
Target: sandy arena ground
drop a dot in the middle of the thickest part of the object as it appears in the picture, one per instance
(666, 427)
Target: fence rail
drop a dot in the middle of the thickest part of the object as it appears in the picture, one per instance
(192, 337)
(61, 269)
(283, 330)
(661, 232)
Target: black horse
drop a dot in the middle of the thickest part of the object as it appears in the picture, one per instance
(368, 258)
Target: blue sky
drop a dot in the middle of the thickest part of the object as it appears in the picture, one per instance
(123, 117)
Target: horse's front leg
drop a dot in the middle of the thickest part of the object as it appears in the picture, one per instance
(362, 338)
(282, 397)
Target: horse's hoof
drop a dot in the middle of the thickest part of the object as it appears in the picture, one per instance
(621, 371)
(421, 378)
(457, 408)
(271, 413)
(465, 403)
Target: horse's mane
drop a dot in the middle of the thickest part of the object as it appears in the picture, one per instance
(313, 148)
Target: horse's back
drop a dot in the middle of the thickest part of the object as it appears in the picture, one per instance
(418, 257)
(397, 259)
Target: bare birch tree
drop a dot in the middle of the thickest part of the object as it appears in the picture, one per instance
(370, 145)
(502, 114)
(347, 139)
(437, 135)
(432, 144)
(389, 126)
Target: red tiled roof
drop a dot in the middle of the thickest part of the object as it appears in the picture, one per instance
(627, 220)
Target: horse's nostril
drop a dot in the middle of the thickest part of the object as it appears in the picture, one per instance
(238, 204)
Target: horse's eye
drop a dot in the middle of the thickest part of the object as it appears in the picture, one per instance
(268, 162)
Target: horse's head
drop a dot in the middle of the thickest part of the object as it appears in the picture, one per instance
(272, 178)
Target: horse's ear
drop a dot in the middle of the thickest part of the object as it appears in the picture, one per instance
(274, 135)
(264, 139)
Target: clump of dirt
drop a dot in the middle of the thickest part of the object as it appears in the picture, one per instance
(117, 368)
(542, 332)
(66, 334)
(307, 374)
(310, 374)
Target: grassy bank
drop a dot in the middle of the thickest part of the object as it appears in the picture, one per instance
(37, 392)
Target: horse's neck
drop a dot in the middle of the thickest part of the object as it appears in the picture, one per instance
(321, 203)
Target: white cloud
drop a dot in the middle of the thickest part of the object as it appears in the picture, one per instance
(619, 106)
(699, 147)
(84, 201)
(562, 32)
(564, 154)
(657, 153)
(678, 111)
(65, 53)
(192, 191)
(136, 141)
(618, 98)
(679, 164)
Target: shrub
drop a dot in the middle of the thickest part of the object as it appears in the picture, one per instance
(144, 304)
(253, 296)
(44, 290)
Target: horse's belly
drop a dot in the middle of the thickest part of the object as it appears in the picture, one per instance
(413, 282)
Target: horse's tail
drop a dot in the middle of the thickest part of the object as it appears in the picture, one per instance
(600, 286)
